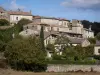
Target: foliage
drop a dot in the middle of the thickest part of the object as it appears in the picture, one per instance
(50, 47)
(20, 24)
(78, 52)
(42, 38)
(6, 35)
(4, 22)
(25, 54)
(2, 46)
(89, 50)
(63, 41)
(95, 26)
(69, 53)
(56, 57)
(98, 36)
(89, 62)
(97, 57)
(92, 40)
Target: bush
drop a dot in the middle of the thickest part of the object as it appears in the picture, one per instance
(50, 47)
(25, 54)
(4, 22)
(56, 57)
(21, 23)
(97, 57)
(91, 62)
(92, 40)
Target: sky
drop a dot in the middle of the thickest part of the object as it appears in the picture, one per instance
(69, 9)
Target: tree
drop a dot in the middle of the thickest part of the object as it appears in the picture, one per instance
(20, 24)
(4, 22)
(98, 36)
(42, 37)
(25, 54)
(69, 53)
(63, 41)
(50, 47)
(92, 40)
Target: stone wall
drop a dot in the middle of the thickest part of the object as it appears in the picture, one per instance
(73, 68)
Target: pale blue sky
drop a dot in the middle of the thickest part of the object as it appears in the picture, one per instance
(69, 9)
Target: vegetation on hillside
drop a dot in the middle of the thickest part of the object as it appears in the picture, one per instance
(94, 25)
(4, 22)
(25, 54)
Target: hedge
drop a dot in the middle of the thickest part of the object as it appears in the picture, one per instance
(90, 62)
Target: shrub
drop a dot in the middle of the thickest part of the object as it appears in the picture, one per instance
(56, 57)
(25, 54)
(92, 40)
(92, 62)
(50, 47)
(4, 22)
(97, 57)
(21, 23)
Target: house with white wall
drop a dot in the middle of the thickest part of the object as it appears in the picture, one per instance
(15, 16)
(97, 48)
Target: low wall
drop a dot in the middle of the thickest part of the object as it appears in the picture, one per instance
(73, 68)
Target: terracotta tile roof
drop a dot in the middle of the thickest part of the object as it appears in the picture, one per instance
(19, 13)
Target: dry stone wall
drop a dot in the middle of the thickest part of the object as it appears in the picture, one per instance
(73, 68)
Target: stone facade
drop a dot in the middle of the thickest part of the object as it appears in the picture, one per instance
(97, 48)
(3, 14)
(15, 16)
(73, 68)
(74, 28)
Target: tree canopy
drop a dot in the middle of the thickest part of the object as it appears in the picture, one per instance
(4, 22)
(19, 25)
(25, 54)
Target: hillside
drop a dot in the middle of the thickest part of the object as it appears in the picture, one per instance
(94, 25)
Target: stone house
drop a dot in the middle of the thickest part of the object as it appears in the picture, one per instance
(15, 16)
(3, 14)
(72, 29)
(97, 48)
(79, 41)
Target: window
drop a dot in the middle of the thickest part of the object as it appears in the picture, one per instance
(16, 18)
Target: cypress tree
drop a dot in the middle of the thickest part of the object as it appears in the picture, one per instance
(42, 37)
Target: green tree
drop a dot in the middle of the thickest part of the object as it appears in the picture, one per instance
(19, 25)
(63, 41)
(98, 36)
(50, 47)
(92, 40)
(42, 37)
(4, 22)
(25, 54)
(69, 53)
